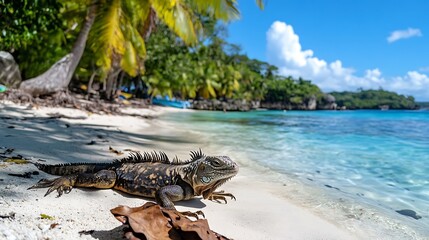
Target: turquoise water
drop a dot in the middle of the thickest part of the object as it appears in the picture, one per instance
(380, 157)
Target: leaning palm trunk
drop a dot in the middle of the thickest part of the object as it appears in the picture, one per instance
(58, 77)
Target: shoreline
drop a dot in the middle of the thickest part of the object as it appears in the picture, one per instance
(369, 220)
(263, 210)
(361, 218)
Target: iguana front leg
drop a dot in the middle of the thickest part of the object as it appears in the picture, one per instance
(64, 184)
(165, 197)
(61, 184)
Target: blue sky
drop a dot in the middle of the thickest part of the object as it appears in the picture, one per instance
(341, 44)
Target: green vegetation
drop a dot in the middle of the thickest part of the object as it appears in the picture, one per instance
(290, 91)
(373, 99)
(215, 69)
(145, 45)
(116, 32)
(170, 62)
(33, 32)
(24, 20)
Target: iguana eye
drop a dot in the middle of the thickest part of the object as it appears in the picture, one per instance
(216, 163)
(205, 179)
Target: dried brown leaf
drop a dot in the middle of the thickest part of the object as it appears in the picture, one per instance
(151, 222)
(54, 225)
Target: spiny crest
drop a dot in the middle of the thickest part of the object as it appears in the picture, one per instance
(161, 157)
(195, 155)
(137, 157)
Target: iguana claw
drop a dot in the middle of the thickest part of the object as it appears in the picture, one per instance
(61, 184)
(216, 196)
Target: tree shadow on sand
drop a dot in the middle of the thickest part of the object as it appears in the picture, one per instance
(56, 140)
(65, 142)
(53, 140)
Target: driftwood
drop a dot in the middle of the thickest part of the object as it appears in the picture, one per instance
(73, 100)
(51, 81)
(152, 222)
(58, 77)
(63, 99)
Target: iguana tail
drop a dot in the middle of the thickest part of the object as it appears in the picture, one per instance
(73, 168)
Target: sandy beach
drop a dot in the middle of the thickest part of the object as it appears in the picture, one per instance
(261, 210)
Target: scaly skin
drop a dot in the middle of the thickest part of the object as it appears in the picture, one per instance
(150, 175)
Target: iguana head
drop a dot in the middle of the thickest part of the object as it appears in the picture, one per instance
(209, 172)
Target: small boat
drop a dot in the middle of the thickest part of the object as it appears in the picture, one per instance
(384, 107)
(173, 102)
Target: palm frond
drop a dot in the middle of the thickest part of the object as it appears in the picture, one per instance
(220, 9)
(109, 38)
(135, 50)
(177, 17)
(129, 62)
(136, 11)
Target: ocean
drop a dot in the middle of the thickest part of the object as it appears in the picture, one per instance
(377, 158)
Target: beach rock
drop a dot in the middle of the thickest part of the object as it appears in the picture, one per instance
(52, 81)
(327, 103)
(312, 103)
(224, 105)
(304, 105)
(328, 98)
(10, 75)
(276, 105)
(409, 213)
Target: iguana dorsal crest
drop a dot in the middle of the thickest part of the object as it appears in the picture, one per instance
(161, 157)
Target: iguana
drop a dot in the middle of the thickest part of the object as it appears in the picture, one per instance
(150, 175)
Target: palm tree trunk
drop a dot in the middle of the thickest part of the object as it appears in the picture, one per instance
(58, 77)
(79, 45)
(111, 80)
(89, 87)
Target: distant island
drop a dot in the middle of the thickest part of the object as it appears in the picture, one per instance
(362, 99)
(374, 99)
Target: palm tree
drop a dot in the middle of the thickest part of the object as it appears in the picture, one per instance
(229, 80)
(119, 30)
(59, 75)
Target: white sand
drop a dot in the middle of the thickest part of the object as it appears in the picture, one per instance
(260, 212)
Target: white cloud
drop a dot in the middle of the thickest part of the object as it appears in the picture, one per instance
(413, 81)
(403, 34)
(285, 51)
